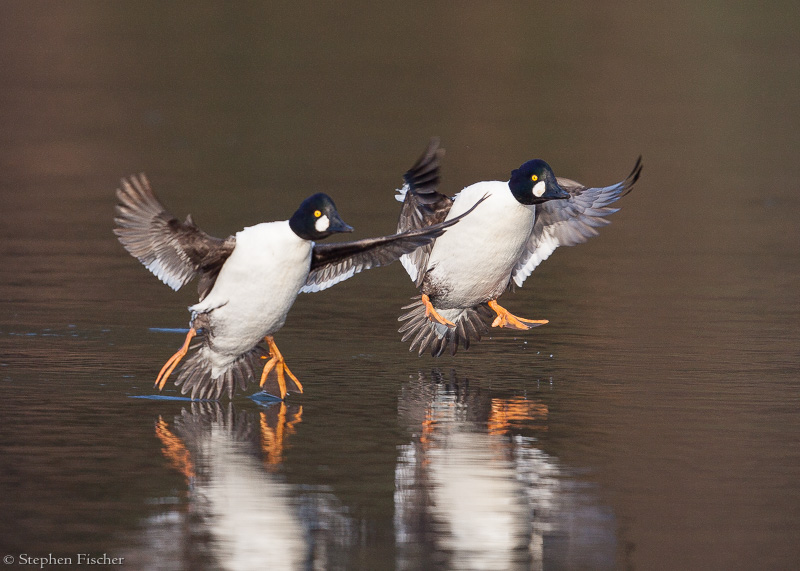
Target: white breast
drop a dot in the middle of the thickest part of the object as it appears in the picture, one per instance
(257, 286)
(473, 260)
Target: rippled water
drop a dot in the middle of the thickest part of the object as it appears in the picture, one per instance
(652, 424)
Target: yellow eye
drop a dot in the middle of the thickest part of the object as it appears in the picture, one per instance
(317, 214)
(534, 178)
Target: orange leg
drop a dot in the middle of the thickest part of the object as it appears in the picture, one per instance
(506, 319)
(279, 364)
(173, 361)
(432, 314)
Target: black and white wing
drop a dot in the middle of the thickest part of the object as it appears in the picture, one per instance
(175, 251)
(333, 263)
(423, 205)
(570, 222)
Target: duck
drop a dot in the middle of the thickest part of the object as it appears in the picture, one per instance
(247, 282)
(518, 224)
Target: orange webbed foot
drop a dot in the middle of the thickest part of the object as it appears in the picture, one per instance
(278, 363)
(432, 314)
(173, 361)
(506, 319)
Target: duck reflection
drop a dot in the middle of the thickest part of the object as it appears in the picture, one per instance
(228, 458)
(265, 432)
(241, 512)
(474, 491)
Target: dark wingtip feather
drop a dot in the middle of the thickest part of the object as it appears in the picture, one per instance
(135, 201)
(630, 180)
(423, 177)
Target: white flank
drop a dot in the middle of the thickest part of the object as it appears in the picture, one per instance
(473, 260)
(255, 289)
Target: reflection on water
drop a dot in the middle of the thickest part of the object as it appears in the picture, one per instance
(474, 493)
(473, 490)
(275, 423)
(239, 511)
(674, 337)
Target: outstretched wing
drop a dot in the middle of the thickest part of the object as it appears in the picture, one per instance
(423, 205)
(174, 251)
(333, 263)
(572, 221)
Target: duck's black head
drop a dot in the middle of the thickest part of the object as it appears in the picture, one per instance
(534, 183)
(317, 218)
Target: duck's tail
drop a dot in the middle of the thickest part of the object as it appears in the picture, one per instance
(424, 333)
(206, 375)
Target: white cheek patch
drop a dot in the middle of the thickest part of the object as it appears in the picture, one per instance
(322, 224)
(539, 188)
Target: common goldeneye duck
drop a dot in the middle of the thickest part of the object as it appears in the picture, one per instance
(248, 282)
(518, 225)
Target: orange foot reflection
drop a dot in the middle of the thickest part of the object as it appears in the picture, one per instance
(273, 437)
(174, 450)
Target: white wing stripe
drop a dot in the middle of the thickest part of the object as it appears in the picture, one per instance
(546, 246)
(409, 266)
(311, 288)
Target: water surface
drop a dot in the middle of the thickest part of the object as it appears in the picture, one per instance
(651, 424)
